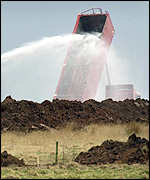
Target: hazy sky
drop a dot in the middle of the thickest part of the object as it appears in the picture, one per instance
(27, 21)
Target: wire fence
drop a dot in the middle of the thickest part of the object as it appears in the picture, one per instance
(64, 156)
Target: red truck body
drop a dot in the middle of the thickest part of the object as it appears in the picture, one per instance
(80, 80)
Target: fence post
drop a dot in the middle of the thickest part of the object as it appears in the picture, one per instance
(56, 160)
(38, 161)
(63, 154)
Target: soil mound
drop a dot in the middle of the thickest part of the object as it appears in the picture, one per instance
(135, 150)
(28, 115)
(8, 159)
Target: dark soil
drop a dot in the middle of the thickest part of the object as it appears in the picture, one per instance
(28, 115)
(135, 150)
(8, 159)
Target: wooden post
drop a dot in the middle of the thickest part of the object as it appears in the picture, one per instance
(56, 160)
(38, 161)
(63, 154)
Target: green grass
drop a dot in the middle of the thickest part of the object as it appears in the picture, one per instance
(75, 171)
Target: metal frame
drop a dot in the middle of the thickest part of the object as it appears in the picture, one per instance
(93, 10)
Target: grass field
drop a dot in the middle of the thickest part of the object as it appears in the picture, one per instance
(75, 171)
(38, 150)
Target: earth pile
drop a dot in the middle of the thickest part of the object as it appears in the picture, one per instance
(135, 150)
(27, 115)
(8, 159)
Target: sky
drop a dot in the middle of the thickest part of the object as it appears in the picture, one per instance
(28, 21)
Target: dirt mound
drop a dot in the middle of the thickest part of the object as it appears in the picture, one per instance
(8, 159)
(28, 115)
(135, 150)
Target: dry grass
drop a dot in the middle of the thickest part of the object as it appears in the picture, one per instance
(133, 127)
(40, 146)
(43, 142)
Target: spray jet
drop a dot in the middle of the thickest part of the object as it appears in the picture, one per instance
(79, 80)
